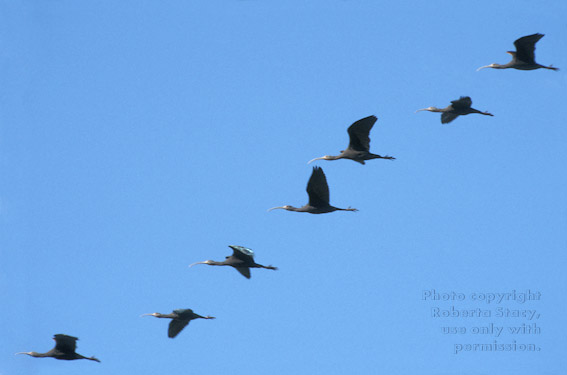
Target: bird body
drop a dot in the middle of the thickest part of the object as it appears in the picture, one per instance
(242, 259)
(318, 191)
(179, 320)
(524, 56)
(459, 107)
(359, 145)
(65, 347)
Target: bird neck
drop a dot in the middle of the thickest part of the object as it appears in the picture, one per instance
(291, 208)
(38, 355)
(214, 263)
(435, 109)
(159, 315)
(331, 157)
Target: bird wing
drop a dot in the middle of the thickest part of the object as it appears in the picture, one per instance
(525, 47)
(184, 313)
(244, 271)
(176, 326)
(242, 253)
(65, 344)
(447, 117)
(462, 103)
(318, 189)
(359, 133)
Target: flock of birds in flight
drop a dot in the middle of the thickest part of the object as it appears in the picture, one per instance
(242, 258)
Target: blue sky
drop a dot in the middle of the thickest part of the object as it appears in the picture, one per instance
(138, 137)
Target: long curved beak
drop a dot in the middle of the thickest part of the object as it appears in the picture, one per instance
(274, 208)
(191, 265)
(482, 67)
(312, 160)
(423, 109)
(22, 353)
(147, 315)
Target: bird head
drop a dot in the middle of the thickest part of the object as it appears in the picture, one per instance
(152, 314)
(286, 207)
(430, 109)
(205, 262)
(326, 157)
(33, 354)
(493, 66)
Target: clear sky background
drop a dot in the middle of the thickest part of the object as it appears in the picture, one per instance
(138, 137)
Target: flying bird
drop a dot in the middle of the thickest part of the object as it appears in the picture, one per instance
(179, 319)
(242, 259)
(359, 146)
(459, 107)
(65, 347)
(524, 57)
(318, 191)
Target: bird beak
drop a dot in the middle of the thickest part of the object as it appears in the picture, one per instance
(312, 160)
(423, 109)
(21, 353)
(274, 208)
(191, 265)
(482, 67)
(146, 315)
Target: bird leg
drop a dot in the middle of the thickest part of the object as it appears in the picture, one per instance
(385, 157)
(90, 358)
(203, 317)
(347, 209)
(472, 110)
(549, 67)
(270, 267)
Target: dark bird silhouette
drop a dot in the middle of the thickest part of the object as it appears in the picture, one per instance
(524, 57)
(318, 191)
(242, 259)
(179, 319)
(457, 108)
(359, 146)
(65, 347)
